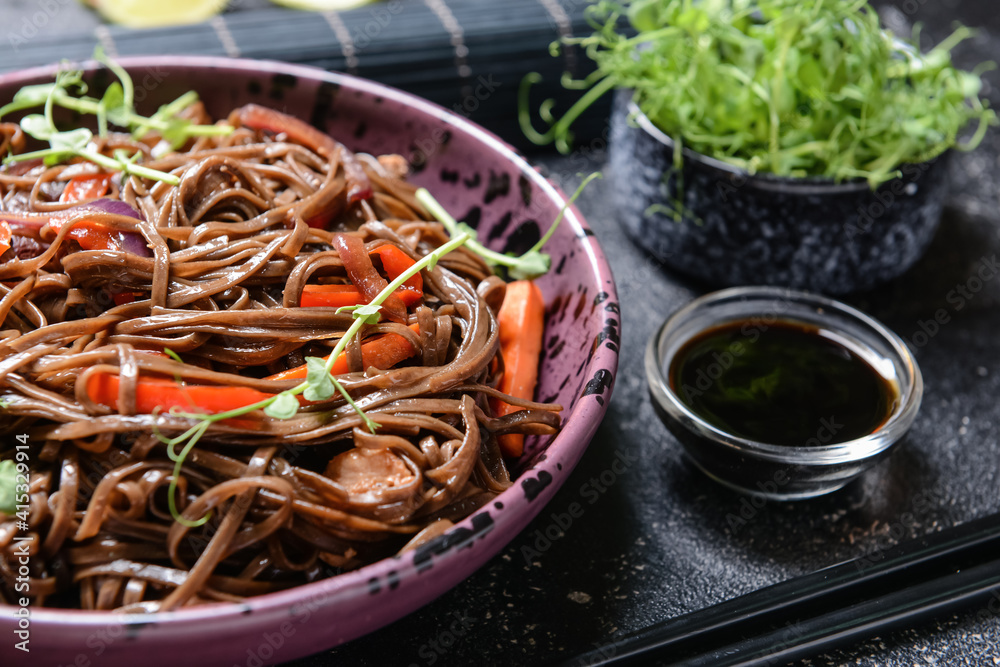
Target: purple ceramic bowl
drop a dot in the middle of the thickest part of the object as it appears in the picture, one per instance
(483, 181)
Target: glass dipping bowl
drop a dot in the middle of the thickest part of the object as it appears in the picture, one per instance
(782, 472)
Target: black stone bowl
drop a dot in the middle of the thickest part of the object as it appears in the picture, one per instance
(740, 229)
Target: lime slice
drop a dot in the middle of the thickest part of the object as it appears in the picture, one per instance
(322, 5)
(156, 13)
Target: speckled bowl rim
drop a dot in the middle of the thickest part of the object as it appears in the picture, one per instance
(850, 451)
(561, 455)
(809, 185)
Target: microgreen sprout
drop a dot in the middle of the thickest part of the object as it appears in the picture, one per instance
(116, 107)
(527, 266)
(176, 357)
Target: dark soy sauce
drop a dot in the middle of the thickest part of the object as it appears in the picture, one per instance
(783, 383)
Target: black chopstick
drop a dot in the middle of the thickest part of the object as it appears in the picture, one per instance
(904, 584)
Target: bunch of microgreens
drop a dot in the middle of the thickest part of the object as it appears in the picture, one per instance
(791, 87)
(115, 107)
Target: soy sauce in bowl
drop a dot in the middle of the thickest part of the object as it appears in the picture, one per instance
(791, 384)
(781, 393)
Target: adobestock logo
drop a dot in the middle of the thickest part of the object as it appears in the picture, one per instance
(542, 539)
(37, 21)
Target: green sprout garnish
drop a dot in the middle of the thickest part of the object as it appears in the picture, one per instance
(176, 357)
(116, 107)
(528, 266)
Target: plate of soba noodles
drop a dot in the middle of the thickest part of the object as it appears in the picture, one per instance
(284, 353)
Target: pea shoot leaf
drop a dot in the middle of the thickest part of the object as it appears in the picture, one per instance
(35, 95)
(113, 105)
(367, 313)
(38, 126)
(530, 265)
(176, 132)
(71, 141)
(284, 406)
(321, 385)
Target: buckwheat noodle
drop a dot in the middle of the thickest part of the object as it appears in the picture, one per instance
(214, 270)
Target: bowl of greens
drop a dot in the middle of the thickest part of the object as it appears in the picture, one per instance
(776, 142)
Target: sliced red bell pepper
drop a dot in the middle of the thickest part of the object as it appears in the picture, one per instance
(91, 235)
(84, 187)
(394, 262)
(121, 298)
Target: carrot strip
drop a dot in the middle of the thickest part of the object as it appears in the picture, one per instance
(158, 393)
(91, 235)
(121, 298)
(365, 277)
(5, 237)
(84, 187)
(335, 296)
(384, 352)
(522, 321)
(396, 262)
(164, 393)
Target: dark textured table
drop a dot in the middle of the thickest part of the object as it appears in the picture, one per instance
(657, 539)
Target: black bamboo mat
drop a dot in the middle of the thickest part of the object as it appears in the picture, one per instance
(467, 55)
